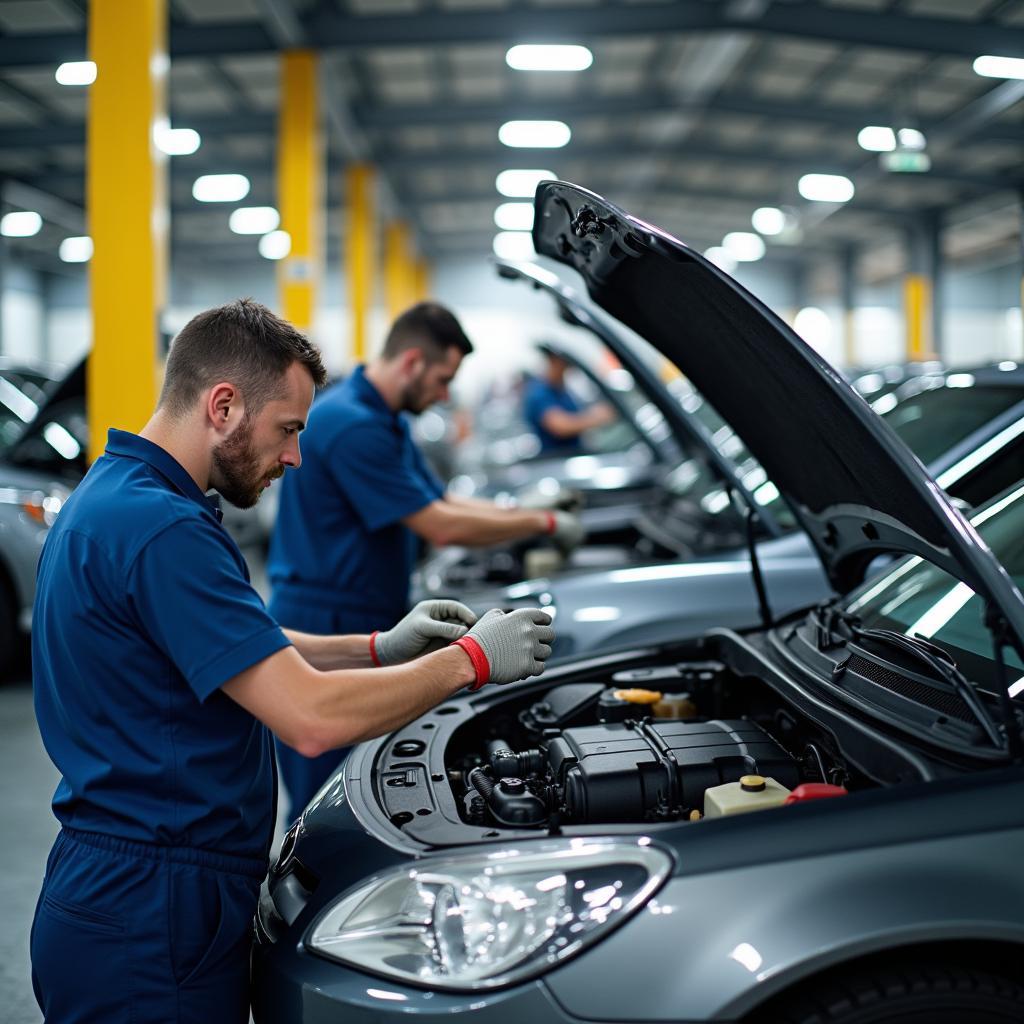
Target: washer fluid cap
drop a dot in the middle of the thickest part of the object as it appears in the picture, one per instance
(752, 783)
(637, 696)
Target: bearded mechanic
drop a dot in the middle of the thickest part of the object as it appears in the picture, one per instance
(344, 544)
(157, 673)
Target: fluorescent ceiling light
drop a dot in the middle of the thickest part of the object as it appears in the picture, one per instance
(547, 57)
(20, 224)
(176, 141)
(534, 134)
(514, 245)
(254, 220)
(1000, 67)
(769, 220)
(514, 216)
(76, 72)
(220, 188)
(876, 138)
(517, 184)
(275, 245)
(77, 249)
(911, 138)
(721, 257)
(826, 188)
(814, 326)
(744, 246)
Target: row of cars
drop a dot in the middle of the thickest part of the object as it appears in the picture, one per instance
(791, 618)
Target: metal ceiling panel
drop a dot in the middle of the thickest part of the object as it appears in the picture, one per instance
(24, 16)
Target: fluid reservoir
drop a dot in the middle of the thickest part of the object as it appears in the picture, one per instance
(539, 562)
(677, 706)
(751, 793)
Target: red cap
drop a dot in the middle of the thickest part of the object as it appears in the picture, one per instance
(814, 791)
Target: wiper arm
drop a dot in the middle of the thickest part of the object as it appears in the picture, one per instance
(940, 661)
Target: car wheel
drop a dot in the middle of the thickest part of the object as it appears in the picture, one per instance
(908, 993)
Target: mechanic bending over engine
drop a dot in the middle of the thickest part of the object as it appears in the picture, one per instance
(157, 673)
(554, 414)
(347, 532)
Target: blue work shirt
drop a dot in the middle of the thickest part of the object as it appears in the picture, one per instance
(339, 538)
(540, 396)
(143, 610)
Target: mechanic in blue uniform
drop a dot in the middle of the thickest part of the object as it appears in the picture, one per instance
(554, 414)
(157, 669)
(349, 525)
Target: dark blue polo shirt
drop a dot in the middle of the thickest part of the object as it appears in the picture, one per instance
(143, 610)
(540, 396)
(339, 538)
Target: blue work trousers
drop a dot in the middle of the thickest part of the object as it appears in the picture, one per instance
(133, 933)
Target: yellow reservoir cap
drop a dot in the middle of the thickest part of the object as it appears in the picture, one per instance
(635, 696)
(752, 783)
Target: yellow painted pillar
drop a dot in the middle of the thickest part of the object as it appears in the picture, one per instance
(420, 280)
(126, 196)
(360, 250)
(916, 305)
(398, 273)
(299, 186)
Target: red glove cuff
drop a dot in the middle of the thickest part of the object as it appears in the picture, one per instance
(552, 522)
(373, 648)
(480, 663)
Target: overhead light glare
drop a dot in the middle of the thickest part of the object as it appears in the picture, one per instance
(517, 184)
(826, 188)
(744, 246)
(876, 138)
(549, 57)
(76, 72)
(20, 224)
(534, 134)
(514, 216)
(176, 141)
(514, 245)
(1000, 67)
(911, 138)
(220, 188)
(254, 220)
(721, 257)
(76, 249)
(769, 220)
(275, 245)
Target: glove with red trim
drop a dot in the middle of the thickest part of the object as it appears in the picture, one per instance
(430, 626)
(508, 646)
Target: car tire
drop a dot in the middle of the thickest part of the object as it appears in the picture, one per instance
(916, 992)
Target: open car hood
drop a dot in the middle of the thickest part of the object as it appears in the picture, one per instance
(690, 434)
(856, 488)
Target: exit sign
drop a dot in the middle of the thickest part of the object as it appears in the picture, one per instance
(905, 162)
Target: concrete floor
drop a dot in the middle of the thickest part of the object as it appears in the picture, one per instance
(27, 830)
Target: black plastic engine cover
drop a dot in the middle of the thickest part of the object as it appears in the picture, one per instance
(650, 770)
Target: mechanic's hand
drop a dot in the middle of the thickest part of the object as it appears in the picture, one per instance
(567, 531)
(430, 626)
(563, 498)
(508, 646)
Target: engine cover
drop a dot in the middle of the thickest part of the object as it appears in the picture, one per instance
(649, 770)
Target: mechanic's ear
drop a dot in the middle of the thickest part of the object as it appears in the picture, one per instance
(224, 406)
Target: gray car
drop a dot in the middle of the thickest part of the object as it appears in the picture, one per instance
(817, 820)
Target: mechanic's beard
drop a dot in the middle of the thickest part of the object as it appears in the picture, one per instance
(239, 480)
(413, 397)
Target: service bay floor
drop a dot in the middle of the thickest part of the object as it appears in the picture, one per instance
(27, 830)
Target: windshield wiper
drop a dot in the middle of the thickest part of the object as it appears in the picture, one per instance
(941, 662)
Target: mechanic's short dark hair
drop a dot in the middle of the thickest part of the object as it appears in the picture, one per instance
(427, 326)
(243, 343)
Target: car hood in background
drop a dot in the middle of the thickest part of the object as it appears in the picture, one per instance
(857, 490)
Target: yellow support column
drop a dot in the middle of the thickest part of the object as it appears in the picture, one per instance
(398, 274)
(360, 238)
(300, 186)
(420, 280)
(916, 303)
(126, 195)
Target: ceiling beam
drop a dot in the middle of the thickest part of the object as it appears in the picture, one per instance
(330, 28)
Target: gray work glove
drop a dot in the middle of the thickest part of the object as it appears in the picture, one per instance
(508, 646)
(563, 499)
(569, 532)
(430, 626)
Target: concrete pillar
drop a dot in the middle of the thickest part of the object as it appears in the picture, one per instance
(848, 293)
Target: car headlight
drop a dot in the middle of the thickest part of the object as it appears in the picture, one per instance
(490, 919)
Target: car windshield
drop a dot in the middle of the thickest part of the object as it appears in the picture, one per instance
(932, 421)
(917, 598)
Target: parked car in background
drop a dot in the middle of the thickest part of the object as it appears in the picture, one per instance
(815, 820)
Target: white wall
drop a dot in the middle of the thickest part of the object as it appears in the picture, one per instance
(24, 313)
